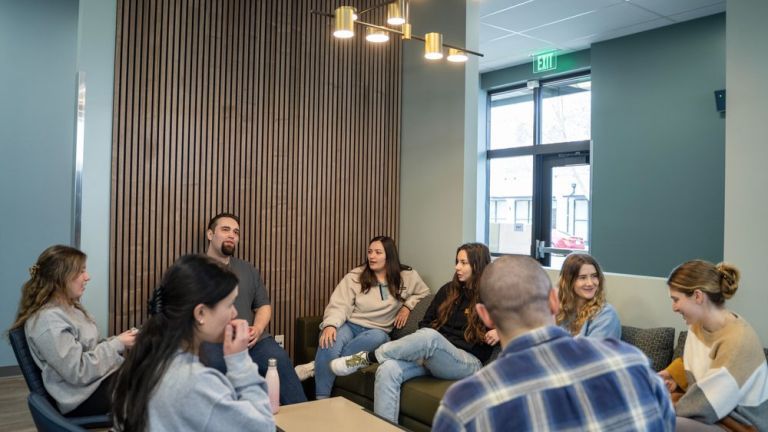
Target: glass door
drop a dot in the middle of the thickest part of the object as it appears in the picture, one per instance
(566, 192)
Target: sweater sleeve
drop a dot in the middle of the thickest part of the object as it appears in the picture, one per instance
(735, 356)
(57, 346)
(342, 302)
(249, 410)
(415, 290)
(605, 324)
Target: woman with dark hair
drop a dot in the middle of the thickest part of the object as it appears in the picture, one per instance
(583, 308)
(451, 343)
(721, 382)
(366, 305)
(163, 386)
(77, 367)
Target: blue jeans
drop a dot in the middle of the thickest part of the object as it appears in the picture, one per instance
(424, 352)
(350, 339)
(291, 391)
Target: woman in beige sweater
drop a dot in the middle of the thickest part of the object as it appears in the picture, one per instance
(722, 379)
(366, 305)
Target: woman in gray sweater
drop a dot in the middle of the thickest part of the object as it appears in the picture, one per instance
(163, 386)
(76, 365)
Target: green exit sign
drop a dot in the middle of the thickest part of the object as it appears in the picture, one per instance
(545, 61)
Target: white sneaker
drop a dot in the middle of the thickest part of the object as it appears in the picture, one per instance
(344, 366)
(305, 371)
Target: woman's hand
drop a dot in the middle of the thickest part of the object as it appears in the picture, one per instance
(236, 335)
(327, 337)
(668, 381)
(128, 338)
(402, 317)
(492, 337)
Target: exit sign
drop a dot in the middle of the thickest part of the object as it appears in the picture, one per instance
(545, 61)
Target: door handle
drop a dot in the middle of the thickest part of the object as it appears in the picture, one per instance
(542, 250)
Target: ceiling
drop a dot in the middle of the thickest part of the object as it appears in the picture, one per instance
(512, 30)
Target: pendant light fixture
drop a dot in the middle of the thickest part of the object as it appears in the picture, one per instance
(456, 56)
(396, 13)
(433, 46)
(344, 27)
(346, 17)
(375, 35)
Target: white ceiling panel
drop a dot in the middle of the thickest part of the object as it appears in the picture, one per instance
(543, 12)
(698, 13)
(672, 7)
(597, 22)
(573, 24)
(489, 33)
(486, 7)
(587, 41)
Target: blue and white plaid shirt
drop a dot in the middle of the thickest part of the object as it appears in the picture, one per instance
(547, 380)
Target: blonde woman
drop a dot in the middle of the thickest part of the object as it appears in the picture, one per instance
(77, 366)
(722, 378)
(583, 309)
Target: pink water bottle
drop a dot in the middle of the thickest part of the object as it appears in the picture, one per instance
(273, 385)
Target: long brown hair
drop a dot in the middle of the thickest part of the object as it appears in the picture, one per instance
(479, 257)
(48, 278)
(392, 266)
(567, 295)
(719, 282)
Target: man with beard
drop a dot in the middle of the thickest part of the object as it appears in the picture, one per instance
(252, 304)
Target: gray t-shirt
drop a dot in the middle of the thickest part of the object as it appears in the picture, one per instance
(252, 292)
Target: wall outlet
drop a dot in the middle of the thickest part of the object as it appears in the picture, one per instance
(280, 339)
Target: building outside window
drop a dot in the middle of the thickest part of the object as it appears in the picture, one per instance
(538, 168)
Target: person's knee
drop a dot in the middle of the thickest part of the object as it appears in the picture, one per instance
(381, 337)
(389, 371)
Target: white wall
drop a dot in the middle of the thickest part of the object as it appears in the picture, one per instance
(439, 145)
(641, 301)
(746, 155)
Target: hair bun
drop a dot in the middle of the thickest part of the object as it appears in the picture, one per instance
(729, 279)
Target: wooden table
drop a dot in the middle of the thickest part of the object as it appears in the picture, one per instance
(332, 415)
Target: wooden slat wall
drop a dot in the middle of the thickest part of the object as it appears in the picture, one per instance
(252, 107)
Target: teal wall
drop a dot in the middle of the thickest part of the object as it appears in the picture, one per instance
(658, 144)
(37, 117)
(658, 148)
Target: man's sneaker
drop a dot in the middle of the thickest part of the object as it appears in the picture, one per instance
(344, 366)
(305, 371)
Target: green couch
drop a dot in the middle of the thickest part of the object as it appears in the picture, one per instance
(420, 397)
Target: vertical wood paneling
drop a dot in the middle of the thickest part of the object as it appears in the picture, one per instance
(250, 107)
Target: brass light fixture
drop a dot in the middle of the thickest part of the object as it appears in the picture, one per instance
(433, 46)
(396, 13)
(344, 27)
(456, 56)
(375, 35)
(345, 18)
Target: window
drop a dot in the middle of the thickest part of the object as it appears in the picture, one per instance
(538, 168)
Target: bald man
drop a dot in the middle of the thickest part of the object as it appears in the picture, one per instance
(544, 379)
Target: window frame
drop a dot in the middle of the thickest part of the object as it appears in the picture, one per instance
(538, 150)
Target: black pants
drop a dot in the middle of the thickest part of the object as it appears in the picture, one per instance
(100, 402)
